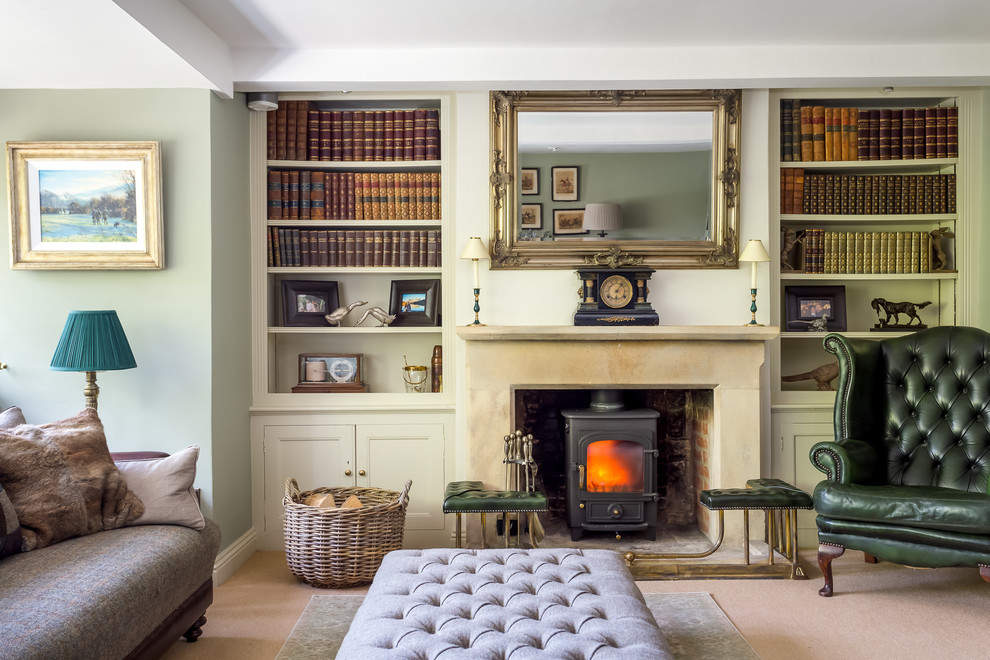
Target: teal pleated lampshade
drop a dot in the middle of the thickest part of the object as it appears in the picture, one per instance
(93, 341)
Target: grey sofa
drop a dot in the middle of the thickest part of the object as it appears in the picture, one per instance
(124, 593)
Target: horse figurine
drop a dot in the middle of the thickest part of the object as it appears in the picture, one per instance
(893, 310)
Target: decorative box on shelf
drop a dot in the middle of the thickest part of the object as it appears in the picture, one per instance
(329, 372)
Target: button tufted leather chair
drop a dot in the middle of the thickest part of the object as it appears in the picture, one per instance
(909, 470)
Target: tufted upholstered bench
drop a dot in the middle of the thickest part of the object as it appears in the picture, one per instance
(453, 603)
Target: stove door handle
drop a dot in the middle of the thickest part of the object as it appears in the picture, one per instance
(581, 477)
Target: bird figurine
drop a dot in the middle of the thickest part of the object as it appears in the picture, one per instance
(337, 315)
(819, 324)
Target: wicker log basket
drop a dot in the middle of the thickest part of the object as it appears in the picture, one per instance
(337, 547)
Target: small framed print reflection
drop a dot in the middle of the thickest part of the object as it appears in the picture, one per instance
(531, 216)
(565, 184)
(568, 221)
(529, 181)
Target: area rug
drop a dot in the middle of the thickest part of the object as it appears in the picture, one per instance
(695, 627)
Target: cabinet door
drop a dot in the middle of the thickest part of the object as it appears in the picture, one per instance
(388, 455)
(316, 456)
(794, 434)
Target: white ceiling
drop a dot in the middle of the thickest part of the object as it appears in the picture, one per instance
(290, 44)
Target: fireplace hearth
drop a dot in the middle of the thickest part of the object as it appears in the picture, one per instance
(611, 461)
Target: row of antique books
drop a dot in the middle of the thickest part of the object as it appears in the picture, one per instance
(866, 194)
(821, 133)
(316, 195)
(878, 252)
(383, 248)
(301, 130)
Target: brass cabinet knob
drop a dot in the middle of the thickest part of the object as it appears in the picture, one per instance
(581, 505)
(362, 472)
(347, 473)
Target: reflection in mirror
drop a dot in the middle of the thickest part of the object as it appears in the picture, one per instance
(667, 160)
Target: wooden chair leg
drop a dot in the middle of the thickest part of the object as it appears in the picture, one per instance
(826, 553)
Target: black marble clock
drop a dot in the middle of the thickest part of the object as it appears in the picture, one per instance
(615, 296)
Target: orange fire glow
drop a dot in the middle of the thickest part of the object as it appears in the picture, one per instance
(615, 466)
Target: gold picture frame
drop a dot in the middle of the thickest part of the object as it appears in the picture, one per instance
(85, 205)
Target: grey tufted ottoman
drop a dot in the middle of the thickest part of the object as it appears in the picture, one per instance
(449, 603)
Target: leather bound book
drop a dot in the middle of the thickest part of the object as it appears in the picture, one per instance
(318, 196)
(931, 122)
(796, 130)
(302, 137)
(419, 134)
(305, 194)
(432, 134)
(369, 247)
(332, 248)
(844, 130)
(875, 134)
(349, 243)
(896, 131)
(337, 135)
(379, 135)
(907, 133)
(424, 247)
(807, 134)
(278, 236)
(375, 194)
(403, 248)
(271, 246)
(389, 147)
(369, 136)
(339, 192)
(366, 195)
(271, 119)
(403, 196)
(414, 248)
(409, 137)
(347, 135)
(281, 131)
(829, 133)
(421, 192)
(293, 195)
(797, 200)
(290, 129)
(432, 248)
(359, 248)
(863, 135)
(786, 147)
(941, 132)
(952, 132)
(387, 249)
(313, 134)
(274, 194)
(358, 139)
(296, 259)
(829, 194)
(919, 133)
(950, 193)
(435, 196)
(399, 135)
(786, 189)
(349, 208)
(326, 133)
(304, 249)
(378, 256)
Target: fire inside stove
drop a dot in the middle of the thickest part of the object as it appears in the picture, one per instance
(615, 466)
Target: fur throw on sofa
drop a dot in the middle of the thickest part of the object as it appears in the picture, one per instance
(62, 481)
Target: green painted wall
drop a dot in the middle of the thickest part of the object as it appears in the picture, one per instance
(180, 320)
(663, 195)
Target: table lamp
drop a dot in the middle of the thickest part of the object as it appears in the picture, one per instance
(475, 250)
(602, 217)
(754, 253)
(92, 341)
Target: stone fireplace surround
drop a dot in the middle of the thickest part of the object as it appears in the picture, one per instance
(725, 359)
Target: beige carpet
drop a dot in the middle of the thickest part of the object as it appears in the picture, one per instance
(879, 611)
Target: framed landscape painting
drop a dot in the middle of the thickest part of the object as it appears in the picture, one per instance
(85, 205)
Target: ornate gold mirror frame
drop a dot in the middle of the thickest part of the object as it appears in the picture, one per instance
(721, 251)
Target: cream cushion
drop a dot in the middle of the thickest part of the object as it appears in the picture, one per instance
(165, 485)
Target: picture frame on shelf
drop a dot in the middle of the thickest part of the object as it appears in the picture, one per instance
(805, 307)
(568, 221)
(307, 302)
(415, 302)
(529, 181)
(564, 183)
(86, 205)
(330, 372)
(531, 216)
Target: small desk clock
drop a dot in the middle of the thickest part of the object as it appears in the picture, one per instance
(615, 296)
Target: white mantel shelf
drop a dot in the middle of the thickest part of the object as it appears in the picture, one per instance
(608, 333)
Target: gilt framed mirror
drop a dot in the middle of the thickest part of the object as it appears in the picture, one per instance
(668, 160)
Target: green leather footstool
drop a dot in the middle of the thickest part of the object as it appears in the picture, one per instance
(471, 497)
(772, 496)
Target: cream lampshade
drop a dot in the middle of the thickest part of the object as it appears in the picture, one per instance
(602, 217)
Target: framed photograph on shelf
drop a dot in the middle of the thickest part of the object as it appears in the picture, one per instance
(531, 216)
(307, 302)
(807, 307)
(564, 182)
(529, 181)
(85, 205)
(330, 372)
(568, 221)
(415, 302)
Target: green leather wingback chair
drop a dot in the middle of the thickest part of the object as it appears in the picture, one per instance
(909, 471)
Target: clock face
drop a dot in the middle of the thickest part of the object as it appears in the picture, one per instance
(342, 371)
(616, 291)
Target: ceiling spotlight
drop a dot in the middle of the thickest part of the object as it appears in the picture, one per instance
(262, 101)
(887, 90)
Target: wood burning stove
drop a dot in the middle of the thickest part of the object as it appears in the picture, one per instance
(611, 458)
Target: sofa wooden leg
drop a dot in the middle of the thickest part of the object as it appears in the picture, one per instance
(870, 559)
(826, 553)
(985, 572)
(195, 630)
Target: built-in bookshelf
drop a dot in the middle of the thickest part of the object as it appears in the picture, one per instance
(348, 192)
